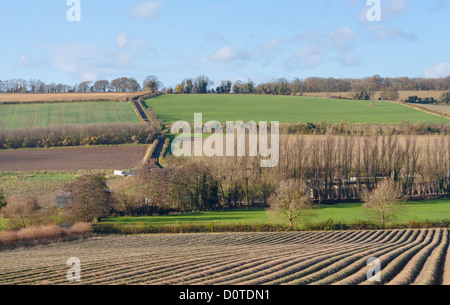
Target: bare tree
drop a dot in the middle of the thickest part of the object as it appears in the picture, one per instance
(291, 202)
(101, 86)
(383, 203)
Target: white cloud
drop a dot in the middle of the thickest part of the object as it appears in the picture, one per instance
(123, 58)
(440, 70)
(89, 76)
(147, 10)
(349, 58)
(121, 40)
(342, 38)
(25, 61)
(228, 54)
(306, 58)
(381, 32)
(267, 48)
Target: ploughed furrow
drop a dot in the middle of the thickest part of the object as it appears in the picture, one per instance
(299, 271)
(414, 266)
(266, 273)
(345, 277)
(275, 260)
(391, 267)
(446, 273)
(240, 274)
(419, 257)
(431, 272)
(356, 272)
(193, 262)
(158, 269)
(337, 265)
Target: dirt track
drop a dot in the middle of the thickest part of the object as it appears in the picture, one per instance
(80, 158)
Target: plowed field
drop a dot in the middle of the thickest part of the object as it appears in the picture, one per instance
(297, 258)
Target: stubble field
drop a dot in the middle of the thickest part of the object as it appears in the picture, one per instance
(65, 97)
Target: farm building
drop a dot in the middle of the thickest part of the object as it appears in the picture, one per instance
(62, 200)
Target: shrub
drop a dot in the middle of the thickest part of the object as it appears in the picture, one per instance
(37, 235)
(445, 98)
(20, 213)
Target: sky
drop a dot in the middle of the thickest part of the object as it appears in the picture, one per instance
(232, 40)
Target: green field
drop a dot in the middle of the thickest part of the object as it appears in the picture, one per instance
(346, 213)
(285, 109)
(62, 114)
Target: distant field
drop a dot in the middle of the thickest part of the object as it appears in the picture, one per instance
(285, 109)
(441, 108)
(65, 97)
(61, 114)
(79, 158)
(403, 95)
(347, 213)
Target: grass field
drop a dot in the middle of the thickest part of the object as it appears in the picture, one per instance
(285, 109)
(62, 114)
(293, 258)
(346, 213)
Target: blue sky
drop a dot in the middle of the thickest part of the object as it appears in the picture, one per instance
(233, 39)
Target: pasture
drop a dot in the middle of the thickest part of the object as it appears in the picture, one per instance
(345, 213)
(285, 258)
(23, 116)
(285, 109)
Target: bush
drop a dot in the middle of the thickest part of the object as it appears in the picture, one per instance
(445, 98)
(363, 95)
(21, 213)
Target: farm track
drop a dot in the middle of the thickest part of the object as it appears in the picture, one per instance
(419, 257)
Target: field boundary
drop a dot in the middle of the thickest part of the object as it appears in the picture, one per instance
(426, 110)
(191, 228)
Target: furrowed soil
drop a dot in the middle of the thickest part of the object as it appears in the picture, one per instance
(78, 158)
(285, 258)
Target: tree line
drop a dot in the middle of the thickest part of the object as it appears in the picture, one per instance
(79, 135)
(333, 169)
(121, 84)
(203, 85)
